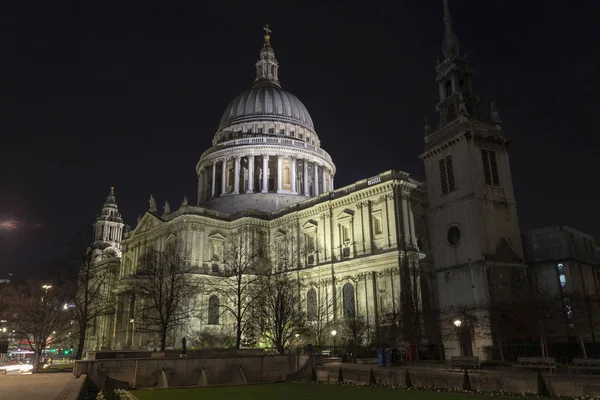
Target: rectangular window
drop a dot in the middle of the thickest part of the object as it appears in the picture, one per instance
(377, 228)
(271, 130)
(447, 175)
(345, 230)
(490, 167)
(282, 132)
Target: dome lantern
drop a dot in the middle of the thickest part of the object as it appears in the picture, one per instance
(267, 67)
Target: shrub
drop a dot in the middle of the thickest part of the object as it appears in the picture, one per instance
(541, 384)
(372, 380)
(340, 376)
(407, 381)
(466, 381)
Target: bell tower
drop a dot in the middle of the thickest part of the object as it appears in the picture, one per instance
(108, 227)
(474, 229)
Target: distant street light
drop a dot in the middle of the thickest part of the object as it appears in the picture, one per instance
(47, 287)
(297, 351)
(458, 323)
(333, 333)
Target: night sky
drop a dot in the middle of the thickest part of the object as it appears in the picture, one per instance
(101, 93)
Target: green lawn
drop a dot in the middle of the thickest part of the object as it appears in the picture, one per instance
(298, 391)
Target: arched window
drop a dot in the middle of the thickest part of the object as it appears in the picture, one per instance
(213, 310)
(311, 305)
(349, 304)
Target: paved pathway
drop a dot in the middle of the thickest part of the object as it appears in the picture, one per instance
(44, 386)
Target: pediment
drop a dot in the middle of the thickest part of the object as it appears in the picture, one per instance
(346, 214)
(172, 236)
(148, 222)
(280, 234)
(217, 236)
(309, 225)
(504, 253)
(418, 209)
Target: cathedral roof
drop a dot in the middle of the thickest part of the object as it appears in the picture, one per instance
(266, 101)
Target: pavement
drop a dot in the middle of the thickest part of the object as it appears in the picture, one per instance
(46, 386)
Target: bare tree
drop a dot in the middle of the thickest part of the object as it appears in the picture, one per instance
(41, 316)
(319, 313)
(89, 289)
(169, 290)
(245, 261)
(586, 312)
(280, 310)
(354, 332)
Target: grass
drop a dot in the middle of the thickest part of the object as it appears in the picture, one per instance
(298, 391)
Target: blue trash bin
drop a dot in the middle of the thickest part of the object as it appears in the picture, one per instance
(381, 357)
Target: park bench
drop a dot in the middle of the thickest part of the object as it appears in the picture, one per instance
(585, 364)
(464, 362)
(536, 363)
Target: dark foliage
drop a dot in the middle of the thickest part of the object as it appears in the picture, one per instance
(407, 381)
(541, 383)
(466, 381)
(372, 380)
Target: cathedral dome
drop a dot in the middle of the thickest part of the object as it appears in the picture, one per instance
(266, 101)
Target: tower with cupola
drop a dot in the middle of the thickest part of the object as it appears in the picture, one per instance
(108, 229)
(472, 215)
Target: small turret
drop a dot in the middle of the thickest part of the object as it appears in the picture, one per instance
(267, 67)
(494, 112)
(108, 227)
(152, 203)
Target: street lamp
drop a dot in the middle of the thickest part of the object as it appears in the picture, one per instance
(132, 322)
(458, 323)
(297, 352)
(333, 333)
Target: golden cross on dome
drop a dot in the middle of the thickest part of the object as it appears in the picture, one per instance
(267, 35)
(112, 190)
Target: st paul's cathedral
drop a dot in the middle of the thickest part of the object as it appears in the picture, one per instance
(387, 245)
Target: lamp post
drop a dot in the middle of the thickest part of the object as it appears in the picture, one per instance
(458, 323)
(132, 322)
(333, 333)
(297, 351)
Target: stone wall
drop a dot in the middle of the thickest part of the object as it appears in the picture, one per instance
(147, 372)
(515, 382)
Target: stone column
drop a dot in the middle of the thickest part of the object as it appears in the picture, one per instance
(305, 178)
(214, 178)
(294, 175)
(279, 180)
(330, 182)
(224, 177)
(236, 175)
(316, 180)
(324, 171)
(250, 174)
(406, 238)
(265, 172)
